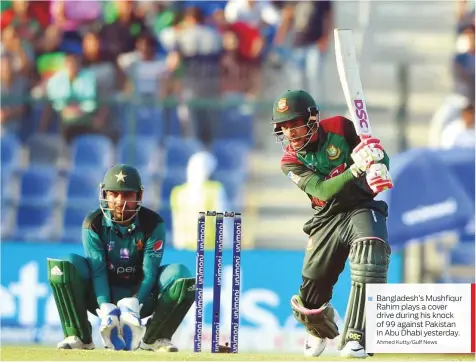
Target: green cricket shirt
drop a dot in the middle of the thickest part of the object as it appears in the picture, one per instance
(322, 171)
(124, 256)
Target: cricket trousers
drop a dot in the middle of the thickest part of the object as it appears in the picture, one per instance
(328, 248)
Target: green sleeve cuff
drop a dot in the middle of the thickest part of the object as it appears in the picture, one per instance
(102, 299)
(327, 189)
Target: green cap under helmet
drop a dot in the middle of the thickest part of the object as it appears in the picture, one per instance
(122, 178)
(292, 104)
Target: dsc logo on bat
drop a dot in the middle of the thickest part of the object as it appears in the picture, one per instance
(361, 114)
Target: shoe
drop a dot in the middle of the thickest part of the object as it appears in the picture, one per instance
(353, 349)
(73, 342)
(314, 346)
(160, 345)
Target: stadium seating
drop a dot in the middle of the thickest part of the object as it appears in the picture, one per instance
(232, 183)
(38, 186)
(82, 188)
(11, 153)
(45, 149)
(10, 166)
(40, 203)
(231, 155)
(140, 151)
(93, 151)
(142, 121)
(179, 150)
(236, 123)
(32, 121)
(6, 177)
(6, 220)
(35, 223)
(171, 122)
(73, 218)
(172, 179)
(151, 196)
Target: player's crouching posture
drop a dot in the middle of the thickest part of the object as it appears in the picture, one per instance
(120, 278)
(341, 175)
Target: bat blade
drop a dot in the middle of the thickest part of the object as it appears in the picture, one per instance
(349, 75)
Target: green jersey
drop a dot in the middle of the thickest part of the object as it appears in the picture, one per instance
(127, 256)
(321, 170)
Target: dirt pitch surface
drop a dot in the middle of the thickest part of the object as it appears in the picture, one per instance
(37, 353)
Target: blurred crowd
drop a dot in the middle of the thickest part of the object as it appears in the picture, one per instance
(80, 54)
(453, 123)
(85, 84)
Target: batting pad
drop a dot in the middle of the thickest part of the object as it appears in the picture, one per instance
(369, 260)
(68, 292)
(318, 322)
(171, 307)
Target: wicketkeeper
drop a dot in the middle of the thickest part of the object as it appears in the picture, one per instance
(120, 278)
(341, 175)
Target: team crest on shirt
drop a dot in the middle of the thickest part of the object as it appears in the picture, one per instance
(282, 105)
(333, 152)
(140, 245)
(124, 253)
(110, 246)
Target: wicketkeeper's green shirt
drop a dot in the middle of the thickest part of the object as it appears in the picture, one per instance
(121, 256)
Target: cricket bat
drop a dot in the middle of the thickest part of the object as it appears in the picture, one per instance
(349, 75)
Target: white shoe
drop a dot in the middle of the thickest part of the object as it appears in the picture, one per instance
(73, 342)
(314, 346)
(353, 349)
(160, 345)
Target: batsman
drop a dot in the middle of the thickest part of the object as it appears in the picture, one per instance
(341, 175)
(120, 278)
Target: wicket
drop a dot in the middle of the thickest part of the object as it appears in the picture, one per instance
(218, 266)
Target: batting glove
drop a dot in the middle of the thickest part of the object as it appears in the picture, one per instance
(365, 154)
(378, 178)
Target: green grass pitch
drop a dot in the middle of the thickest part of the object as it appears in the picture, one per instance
(37, 353)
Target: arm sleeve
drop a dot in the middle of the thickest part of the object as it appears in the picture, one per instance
(325, 190)
(95, 254)
(312, 184)
(153, 252)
